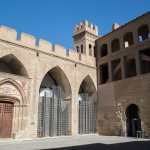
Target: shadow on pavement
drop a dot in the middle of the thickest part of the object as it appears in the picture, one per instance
(137, 145)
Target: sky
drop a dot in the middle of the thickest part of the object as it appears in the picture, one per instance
(54, 20)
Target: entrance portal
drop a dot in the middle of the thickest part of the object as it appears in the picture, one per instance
(6, 114)
(133, 120)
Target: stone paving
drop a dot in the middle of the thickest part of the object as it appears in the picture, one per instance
(60, 142)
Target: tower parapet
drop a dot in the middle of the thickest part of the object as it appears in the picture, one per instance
(85, 35)
(85, 26)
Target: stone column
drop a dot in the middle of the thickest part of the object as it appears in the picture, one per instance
(74, 103)
(74, 113)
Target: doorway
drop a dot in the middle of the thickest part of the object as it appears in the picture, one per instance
(133, 120)
(6, 115)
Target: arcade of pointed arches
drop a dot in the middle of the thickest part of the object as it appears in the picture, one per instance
(54, 92)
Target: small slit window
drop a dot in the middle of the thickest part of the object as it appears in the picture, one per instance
(90, 49)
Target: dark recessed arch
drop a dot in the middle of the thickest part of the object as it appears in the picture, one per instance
(115, 45)
(87, 85)
(133, 120)
(60, 79)
(11, 64)
(143, 32)
(128, 39)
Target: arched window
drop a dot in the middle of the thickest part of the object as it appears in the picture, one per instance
(128, 39)
(94, 51)
(103, 50)
(115, 45)
(81, 48)
(11, 64)
(90, 49)
(77, 49)
(143, 33)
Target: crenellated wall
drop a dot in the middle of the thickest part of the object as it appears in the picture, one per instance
(24, 61)
(29, 41)
(86, 26)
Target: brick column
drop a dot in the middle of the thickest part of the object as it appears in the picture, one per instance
(135, 36)
(98, 75)
(121, 41)
(109, 48)
(122, 68)
(137, 61)
(110, 71)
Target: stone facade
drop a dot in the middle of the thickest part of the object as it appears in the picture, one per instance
(28, 64)
(123, 71)
(116, 79)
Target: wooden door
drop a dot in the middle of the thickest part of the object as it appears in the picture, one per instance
(6, 114)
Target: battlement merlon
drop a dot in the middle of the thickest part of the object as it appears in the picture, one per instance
(43, 46)
(85, 26)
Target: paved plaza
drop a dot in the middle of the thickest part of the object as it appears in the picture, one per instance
(78, 142)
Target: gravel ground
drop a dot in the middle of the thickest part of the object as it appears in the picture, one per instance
(77, 142)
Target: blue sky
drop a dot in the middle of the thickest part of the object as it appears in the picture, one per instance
(54, 20)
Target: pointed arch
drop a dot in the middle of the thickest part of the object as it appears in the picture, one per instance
(60, 78)
(54, 100)
(17, 86)
(87, 85)
(11, 64)
(86, 106)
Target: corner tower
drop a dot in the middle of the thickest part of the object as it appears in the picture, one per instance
(85, 35)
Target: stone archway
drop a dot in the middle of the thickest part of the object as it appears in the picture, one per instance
(12, 108)
(133, 121)
(10, 64)
(54, 106)
(86, 106)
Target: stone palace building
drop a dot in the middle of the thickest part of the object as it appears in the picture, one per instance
(102, 86)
